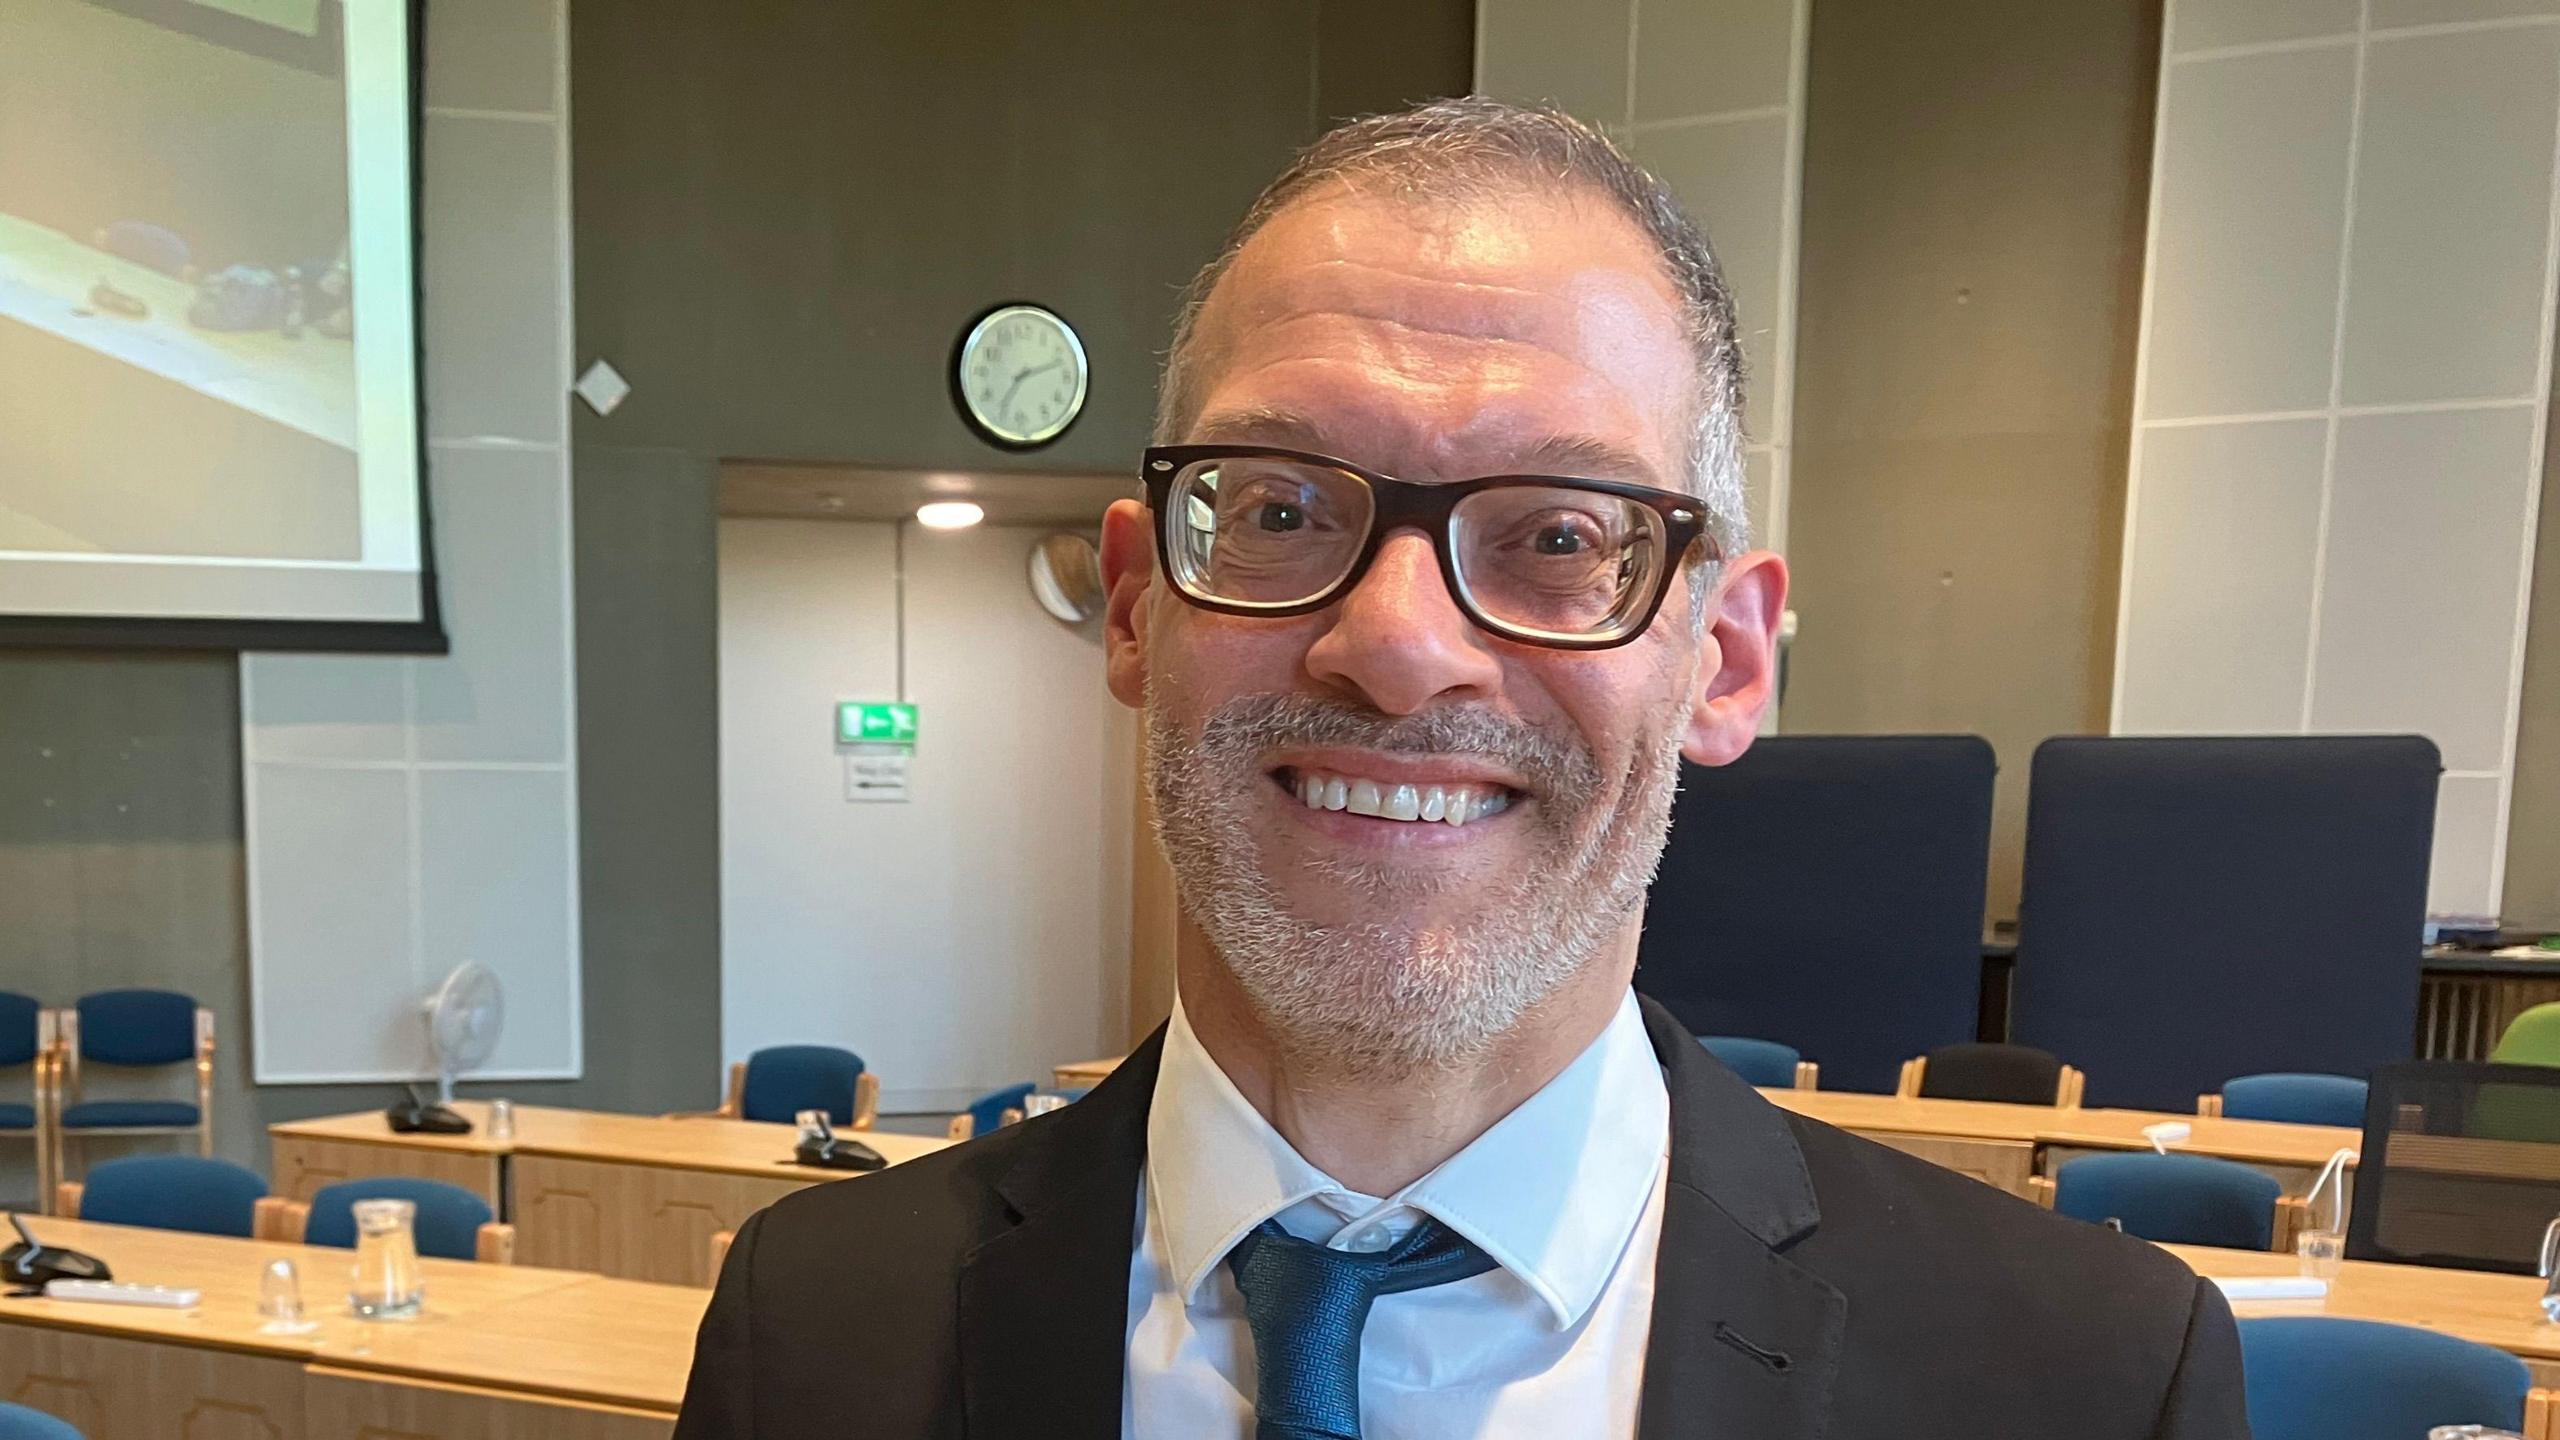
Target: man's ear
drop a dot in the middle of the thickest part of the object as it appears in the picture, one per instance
(1128, 573)
(1738, 673)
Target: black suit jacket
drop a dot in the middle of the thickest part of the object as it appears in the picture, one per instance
(1808, 1283)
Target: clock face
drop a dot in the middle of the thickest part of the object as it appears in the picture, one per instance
(1021, 376)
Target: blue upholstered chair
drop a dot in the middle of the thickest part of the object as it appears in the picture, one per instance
(169, 1192)
(1764, 1063)
(2293, 1098)
(451, 1222)
(2171, 1199)
(132, 1029)
(2314, 1378)
(17, 1422)
(991, 1110)
(2008, 1074)
(26, 1033)
(780, 1081)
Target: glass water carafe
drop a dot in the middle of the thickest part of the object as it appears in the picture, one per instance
(388, 1283)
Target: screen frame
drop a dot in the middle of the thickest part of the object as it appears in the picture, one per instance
(423, 636)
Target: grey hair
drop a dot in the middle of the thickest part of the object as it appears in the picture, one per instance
(1477, 148)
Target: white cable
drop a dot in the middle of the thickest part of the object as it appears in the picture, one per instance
(2332, 1173)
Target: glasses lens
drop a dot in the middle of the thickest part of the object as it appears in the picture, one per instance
(1551, 561)
(1250, 531)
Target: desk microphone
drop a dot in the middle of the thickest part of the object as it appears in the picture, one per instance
(822, 1147)
(415, 1116)
(30, 1264)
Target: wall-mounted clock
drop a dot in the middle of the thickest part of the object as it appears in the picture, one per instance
(1019, 376)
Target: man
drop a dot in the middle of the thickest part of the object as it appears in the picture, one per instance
(1440, 572)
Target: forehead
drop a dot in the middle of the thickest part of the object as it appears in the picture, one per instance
(1448, 338)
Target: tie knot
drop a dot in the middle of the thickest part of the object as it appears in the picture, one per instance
(1307, 1304)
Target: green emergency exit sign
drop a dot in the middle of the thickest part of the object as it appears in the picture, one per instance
(875, 722)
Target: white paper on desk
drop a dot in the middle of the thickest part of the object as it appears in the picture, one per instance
(2271, 1287)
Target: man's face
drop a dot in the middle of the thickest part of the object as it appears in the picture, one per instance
(1434, 344)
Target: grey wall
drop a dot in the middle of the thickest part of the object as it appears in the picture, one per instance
(2532, 898)
(787, 214)
(1975, 180)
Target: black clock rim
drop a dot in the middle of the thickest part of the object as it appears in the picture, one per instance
(960, 398)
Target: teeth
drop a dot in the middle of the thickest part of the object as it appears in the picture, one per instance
(1438, 804)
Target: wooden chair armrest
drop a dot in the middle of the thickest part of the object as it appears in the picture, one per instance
(2040, 1189)
(1808, 1075)
(495, 1244)
(2293, 1216)
(279, 1219)
(696, 1115)
(66, 1199)
(1012, 1115)
(1914, 1070)
(734, 1104)
(964, 1126)
(2067, 1092)
(720, 1241)
(2541, 1414)
(866, 1100)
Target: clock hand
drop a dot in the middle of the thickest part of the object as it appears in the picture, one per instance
(1011, 389)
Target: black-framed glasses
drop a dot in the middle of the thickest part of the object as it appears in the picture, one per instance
(1548, 560)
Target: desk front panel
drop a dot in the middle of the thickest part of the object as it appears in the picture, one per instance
(348, 1405)
(303, 1166)
(2002, 1164)
(638, 1222)
(116, 1388)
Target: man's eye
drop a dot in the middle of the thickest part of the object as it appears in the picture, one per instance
(1558, 540)
(1280, 515)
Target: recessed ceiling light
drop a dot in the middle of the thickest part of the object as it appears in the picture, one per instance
(949, 515)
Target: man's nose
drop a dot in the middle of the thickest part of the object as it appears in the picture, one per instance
(1399, 640)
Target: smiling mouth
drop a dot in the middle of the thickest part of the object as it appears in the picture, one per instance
(1432, 804)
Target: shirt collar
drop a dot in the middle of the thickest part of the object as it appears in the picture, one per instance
(1553, 1191)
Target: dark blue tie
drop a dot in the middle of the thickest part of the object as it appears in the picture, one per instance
(1307, 1305)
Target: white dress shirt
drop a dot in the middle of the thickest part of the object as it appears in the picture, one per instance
(1565, 1193)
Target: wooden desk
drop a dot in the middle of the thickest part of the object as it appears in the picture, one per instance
(502, 1350)
(2504, 1311)
(2005, 1145)
(1084, 1074)
(308, 1155)
(636, 1196)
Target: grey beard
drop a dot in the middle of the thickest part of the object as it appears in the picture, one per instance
(1385, 1001)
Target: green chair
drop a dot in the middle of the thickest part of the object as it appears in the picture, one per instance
(2533, 1038)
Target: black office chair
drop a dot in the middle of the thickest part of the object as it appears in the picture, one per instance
(2460, 1166)
(2010, 1074)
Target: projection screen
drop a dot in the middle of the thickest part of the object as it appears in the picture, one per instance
(209, 380)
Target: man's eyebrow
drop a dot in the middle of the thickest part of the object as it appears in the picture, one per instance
(1582, 456)
(1261, 424)
(1586, 457)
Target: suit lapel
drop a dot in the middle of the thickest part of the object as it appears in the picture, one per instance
(1745, 1341)
(1044, 1305)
